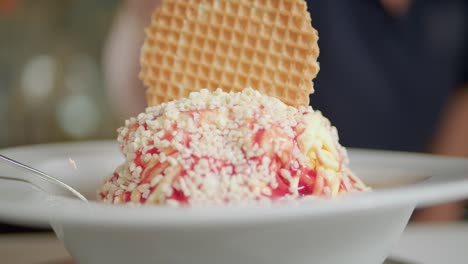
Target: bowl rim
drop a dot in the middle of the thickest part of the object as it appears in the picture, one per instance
(443, 186)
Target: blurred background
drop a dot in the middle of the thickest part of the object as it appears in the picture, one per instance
(51, 77)
(68, 71)
(52, 87)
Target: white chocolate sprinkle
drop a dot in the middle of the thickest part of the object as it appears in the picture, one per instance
(227, 147)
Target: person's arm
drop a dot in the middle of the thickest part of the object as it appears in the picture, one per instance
(122, 57)
(397, 7)
(451, 139)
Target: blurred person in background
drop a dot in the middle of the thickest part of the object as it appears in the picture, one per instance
(394, 74)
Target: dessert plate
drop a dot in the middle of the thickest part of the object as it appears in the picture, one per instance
(357, 228)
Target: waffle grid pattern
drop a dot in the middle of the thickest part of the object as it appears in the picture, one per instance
(269, 45)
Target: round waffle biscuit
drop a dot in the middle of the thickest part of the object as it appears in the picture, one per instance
(269, 45)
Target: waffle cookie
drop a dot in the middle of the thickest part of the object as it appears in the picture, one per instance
(269, 45)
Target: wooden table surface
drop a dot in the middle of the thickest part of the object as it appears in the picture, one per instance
(419, 244)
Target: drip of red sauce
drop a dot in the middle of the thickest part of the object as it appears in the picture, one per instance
(103, 195)
(281, 190)
(154, 151)
(258, 136)
(306, 183)
(127, 197)
(138, 161)
(179, 196)
(343, 187)
(114, 177)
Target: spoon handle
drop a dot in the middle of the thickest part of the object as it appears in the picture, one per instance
(42, 175)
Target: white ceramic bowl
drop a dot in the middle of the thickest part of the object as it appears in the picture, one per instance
(358, 228)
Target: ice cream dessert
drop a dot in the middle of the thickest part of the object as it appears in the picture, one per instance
(207, 139)
(219, 148)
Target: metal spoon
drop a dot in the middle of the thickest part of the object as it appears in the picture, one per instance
(41, 175)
